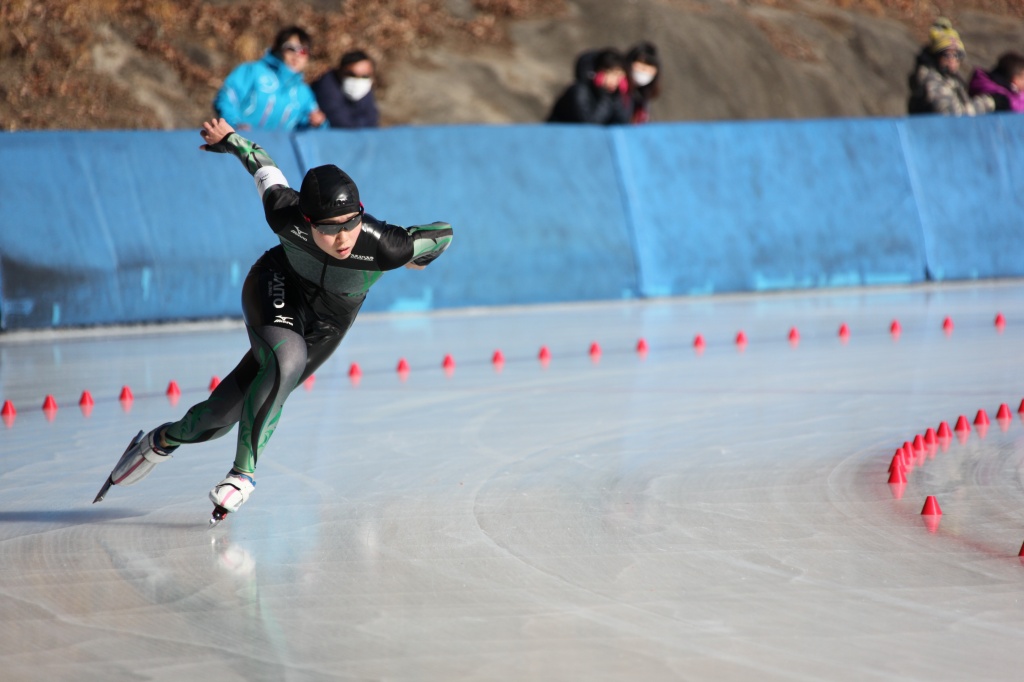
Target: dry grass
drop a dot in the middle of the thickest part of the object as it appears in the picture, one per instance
(49, 49)
(91, 64)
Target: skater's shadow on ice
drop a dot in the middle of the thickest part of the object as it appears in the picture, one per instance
(74, 517)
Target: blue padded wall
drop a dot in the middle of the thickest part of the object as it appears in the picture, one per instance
(968, 176)
(536, 210)
(109, 227)
(770, 205)
(123, 227)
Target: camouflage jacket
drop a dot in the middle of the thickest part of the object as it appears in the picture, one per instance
(933, 92)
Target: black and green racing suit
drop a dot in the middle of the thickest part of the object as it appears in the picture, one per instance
(298, 302)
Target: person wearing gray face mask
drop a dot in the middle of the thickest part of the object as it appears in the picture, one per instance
(346, 95)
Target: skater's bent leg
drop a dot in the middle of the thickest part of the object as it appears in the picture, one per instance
(217, 415)
(317, 353)
(281, 355)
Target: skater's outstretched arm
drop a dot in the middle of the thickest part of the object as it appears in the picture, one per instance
(414, 247)
(220, 137)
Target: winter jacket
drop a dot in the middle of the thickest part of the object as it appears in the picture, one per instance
(265, 94)
(585, 102)
(933, 92)
(341, 111)
(987, 83)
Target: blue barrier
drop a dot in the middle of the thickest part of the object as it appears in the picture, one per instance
(770, 205)
(536, 210)
(110, 227)
(121, 227)
(968, 177)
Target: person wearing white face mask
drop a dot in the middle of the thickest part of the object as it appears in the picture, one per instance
(644, 69)
(345, 94)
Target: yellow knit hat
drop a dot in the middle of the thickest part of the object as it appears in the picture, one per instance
(942, 36)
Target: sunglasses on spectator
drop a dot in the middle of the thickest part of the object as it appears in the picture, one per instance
(297, 48)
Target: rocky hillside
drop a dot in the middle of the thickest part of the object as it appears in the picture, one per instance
(89, 64)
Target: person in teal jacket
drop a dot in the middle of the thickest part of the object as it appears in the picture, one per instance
(270, 93)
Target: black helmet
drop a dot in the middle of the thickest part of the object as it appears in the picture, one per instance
(327, 192)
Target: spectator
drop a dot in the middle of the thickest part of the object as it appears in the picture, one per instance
(644, 69)
(269, 93)
(1004, 82)
(599, 95)
(345, 94)
(935, 84)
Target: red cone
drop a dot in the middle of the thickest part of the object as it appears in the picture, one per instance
(49, 408)
(961, 424)
(698, 344)
(595, 350)
(498, 358)
(1004, 417)
(1021, 408)
(929, 436)
(794, 336)
(308, 383)
(448, 364)
(8, 413)
(844, 332)
(895, 329)
(944, 431)
(86, 404)
(898, 461)
(173, 390)
(741, 338)
(918, 443)
(355, 373)
(403, 366)
(947, 325)
(126, 395)
(981, 419)
(544, 355)
(214, 382)
(641, 346)
(1000, 321)
(931, 507)
(909, 461)
(898, 474)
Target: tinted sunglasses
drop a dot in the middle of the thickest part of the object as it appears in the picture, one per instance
(334, 228)
(296, 48)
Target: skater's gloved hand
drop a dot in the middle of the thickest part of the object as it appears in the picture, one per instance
(214, 132)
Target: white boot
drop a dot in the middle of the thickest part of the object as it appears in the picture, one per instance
(139, 459)
(233, 491)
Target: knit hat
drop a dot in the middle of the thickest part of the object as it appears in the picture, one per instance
(942, 36)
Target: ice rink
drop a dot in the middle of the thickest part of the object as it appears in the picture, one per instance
(682, 514)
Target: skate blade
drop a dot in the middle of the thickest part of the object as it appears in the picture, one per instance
(110, 481)
(103, 491)
(219, 514)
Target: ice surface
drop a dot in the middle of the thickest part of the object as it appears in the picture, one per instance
(676, 515)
